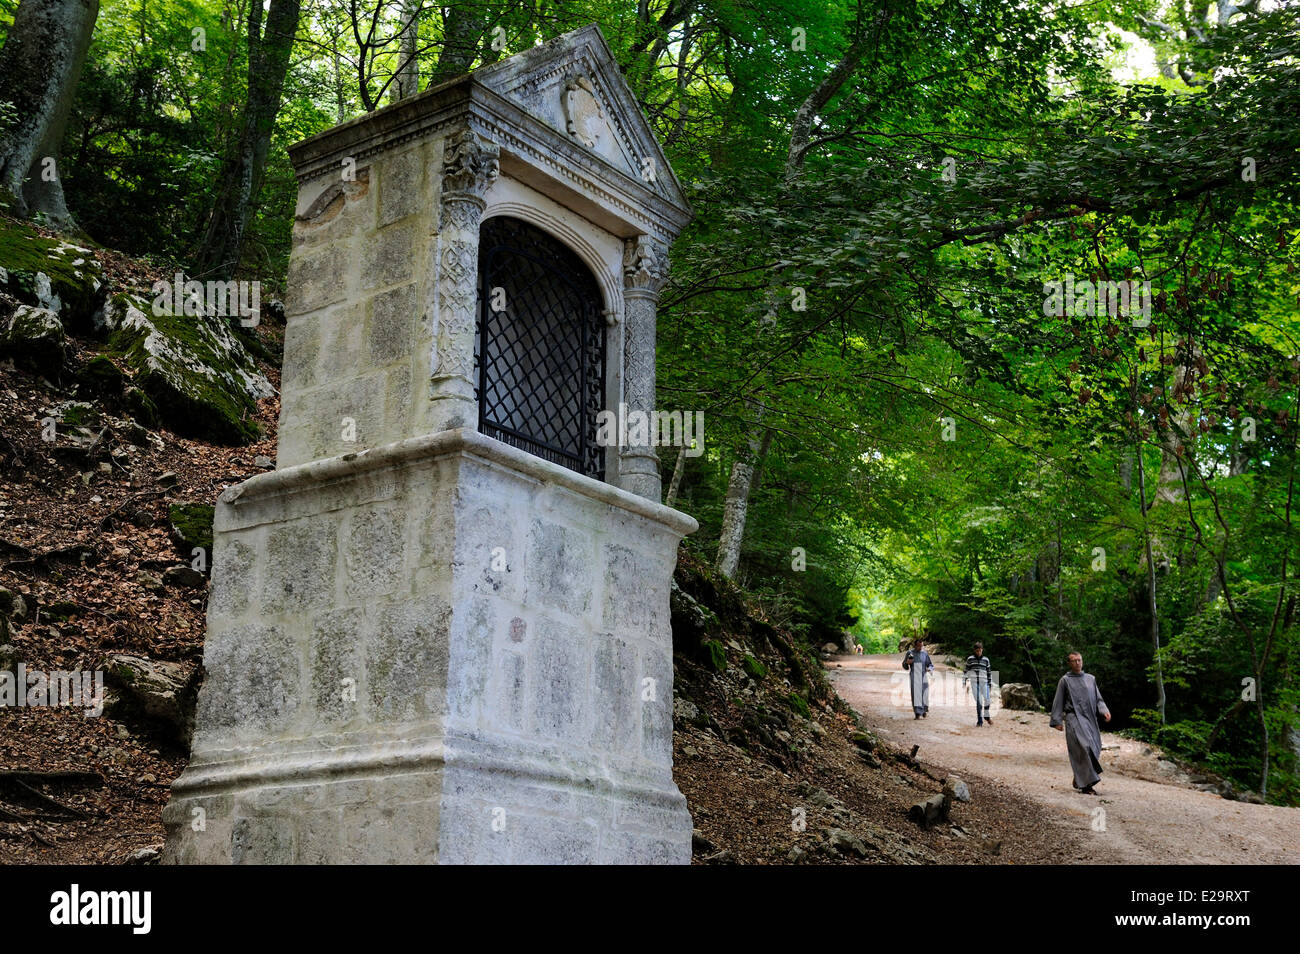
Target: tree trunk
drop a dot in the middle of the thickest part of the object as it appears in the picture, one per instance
(40, 66)
(339, 100)
(1170, 485)
(736, 506)
(241, 171)
(408, 70)
(462, 29)
(675, 485)
(1151, 587)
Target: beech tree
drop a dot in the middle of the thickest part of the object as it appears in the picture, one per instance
(240, 178)
(39, 67)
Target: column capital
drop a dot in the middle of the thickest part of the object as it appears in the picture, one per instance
(470, 164)
(645, 266)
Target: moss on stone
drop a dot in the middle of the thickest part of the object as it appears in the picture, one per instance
(79, 414)
(101, 376)
(33, 337)
(753, 667)
(717, 654)
(142, 409)
(799, 704)
(73, 272)
(63, 609)
(192, 524)
(194, 370)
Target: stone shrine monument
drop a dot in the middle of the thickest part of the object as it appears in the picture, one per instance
(439, 631)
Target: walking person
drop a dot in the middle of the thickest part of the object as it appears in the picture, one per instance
(917, 662)
(979, 670)
(1075, 709)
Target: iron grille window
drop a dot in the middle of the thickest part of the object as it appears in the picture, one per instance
(540, 359)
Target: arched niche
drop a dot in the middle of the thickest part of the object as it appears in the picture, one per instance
(541, 353)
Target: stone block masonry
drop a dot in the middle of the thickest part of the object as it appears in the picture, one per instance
(401, 673)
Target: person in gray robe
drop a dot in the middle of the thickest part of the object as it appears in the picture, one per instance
(1075, 709)
(917, 663)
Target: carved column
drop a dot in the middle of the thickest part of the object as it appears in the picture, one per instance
(470, 166)
(645, 266)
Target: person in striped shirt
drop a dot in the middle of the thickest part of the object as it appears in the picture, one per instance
(979, 670)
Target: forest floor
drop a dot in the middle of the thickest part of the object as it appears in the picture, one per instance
(1152, 815)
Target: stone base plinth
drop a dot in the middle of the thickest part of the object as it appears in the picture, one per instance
(443, 650)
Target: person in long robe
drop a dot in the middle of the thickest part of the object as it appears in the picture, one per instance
(980, 671)
(1075, 709)
(917, 663)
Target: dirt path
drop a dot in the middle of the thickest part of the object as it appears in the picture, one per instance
(1150, 816)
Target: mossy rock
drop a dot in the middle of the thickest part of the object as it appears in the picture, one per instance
(753, 667)
(799, 704)
(49, 273)
(79, 414)
(143, 410)
(60, 611)
(124, 673)
(717, 654)
(102, 377)
(863, 740)
(191, 525)
(33, 337)
(194, 369)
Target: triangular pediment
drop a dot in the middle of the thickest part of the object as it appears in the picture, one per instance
(573, 84)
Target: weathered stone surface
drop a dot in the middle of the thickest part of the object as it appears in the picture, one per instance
(164, 691)
(392, 322)
(399, 186)
(954, 789)
(463, 693)
(389, 258)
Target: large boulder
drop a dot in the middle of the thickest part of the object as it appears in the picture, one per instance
(33, 337)
(193, 368)
(1019, 695)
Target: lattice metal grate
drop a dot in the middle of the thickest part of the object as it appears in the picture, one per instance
(540, 359)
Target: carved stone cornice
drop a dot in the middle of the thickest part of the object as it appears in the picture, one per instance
(527, 144)
(645, 266)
